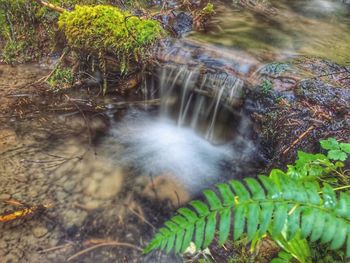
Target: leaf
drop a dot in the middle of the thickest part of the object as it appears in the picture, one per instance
(210, 229)
(318, 226)
(345, 147)
(307, 221)
(240, 190)
(200, 207)
(188, 214)
(187, 238)
(266, 216)
(179, 240)
(329, 229)
(337, 155)
(341, 233)
(200, 225)
(170, 243)
(225, 223)
(213, 200)
(329, 144)
(279, 221)
(252, 219)
(292, 208)
(239, 221)
(255, 188)
(226, 194)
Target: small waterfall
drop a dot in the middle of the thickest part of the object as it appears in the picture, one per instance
(194, 97)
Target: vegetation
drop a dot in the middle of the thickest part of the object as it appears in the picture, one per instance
(107, 29)
(289, 206)
(61, 78)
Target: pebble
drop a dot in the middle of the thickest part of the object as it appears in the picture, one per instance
(3, 244)
(5, 196)
(40, 231)
(69, 185)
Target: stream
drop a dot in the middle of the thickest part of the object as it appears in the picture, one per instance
(115, 174)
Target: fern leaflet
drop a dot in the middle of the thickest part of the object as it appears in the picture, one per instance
(271, 204)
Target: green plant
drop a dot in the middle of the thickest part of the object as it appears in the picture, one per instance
(104, 29)
(266, 86)
(61, 78)
(12, 51)
(208, 9)
(285, 205)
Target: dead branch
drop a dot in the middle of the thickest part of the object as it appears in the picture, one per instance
(302, 136)
(51, 6)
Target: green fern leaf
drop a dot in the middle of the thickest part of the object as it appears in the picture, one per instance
(187, 238)
(266, 216)
(271, 205)
(210, 229)
(239, 221)
(318, 226)
(200, 226)
(225, 223)
(226, 193)
(252, 220)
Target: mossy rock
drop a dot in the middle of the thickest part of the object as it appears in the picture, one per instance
(103, 29)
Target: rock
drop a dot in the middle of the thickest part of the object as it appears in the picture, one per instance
(3, 244)
(179, 22)
(324, 94)
(4, 197)
(40, 231)
(69, 185)
(74, 217)
(182, 23)
(106, 187)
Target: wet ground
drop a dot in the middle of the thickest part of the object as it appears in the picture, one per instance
(97, 176)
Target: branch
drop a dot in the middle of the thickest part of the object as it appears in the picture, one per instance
(51, 6)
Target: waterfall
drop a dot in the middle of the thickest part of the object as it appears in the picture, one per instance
(194, 97)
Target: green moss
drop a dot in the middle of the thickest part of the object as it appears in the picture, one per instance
(107, 29)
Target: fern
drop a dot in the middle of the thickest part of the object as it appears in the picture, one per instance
(270, 204)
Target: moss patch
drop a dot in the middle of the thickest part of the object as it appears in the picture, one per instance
(107, 29)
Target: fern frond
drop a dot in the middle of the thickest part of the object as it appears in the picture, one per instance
(271, 204)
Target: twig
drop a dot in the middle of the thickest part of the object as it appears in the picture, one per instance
(299, 139)
(105, 244)
(55, 248)
(51, 6)
(139, 216)
(84, 117)
(56, 66)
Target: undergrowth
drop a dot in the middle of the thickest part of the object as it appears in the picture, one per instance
(106, 29)
(293, 207)
(61, 78)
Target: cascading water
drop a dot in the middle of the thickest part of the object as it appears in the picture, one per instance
(194, 136)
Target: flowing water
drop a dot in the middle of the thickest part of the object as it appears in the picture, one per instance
(116, 174)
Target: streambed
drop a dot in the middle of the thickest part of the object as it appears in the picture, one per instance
(113, 174)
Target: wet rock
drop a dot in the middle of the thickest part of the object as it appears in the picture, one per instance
(3, 244)
(39, 231)
(179, 22)
(69, 185)
(5, 196)
(106, 187)
(182, 23)
(74, 217)
(324, 94)
(166, 188)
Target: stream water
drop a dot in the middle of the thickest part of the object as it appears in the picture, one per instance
(117, 174)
